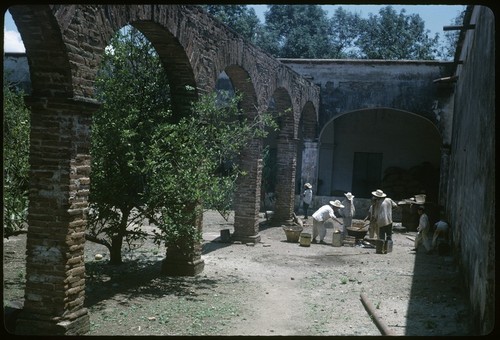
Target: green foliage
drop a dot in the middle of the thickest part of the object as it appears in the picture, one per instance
(304, 31)
(150, 162)
(136, 98)
(240, 18)
(16, 129)
(194, 163)
(296, 31)
(447, 51)
(344, 31)
(393, 36)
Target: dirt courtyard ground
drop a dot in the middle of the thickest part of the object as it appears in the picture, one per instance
(271, 288)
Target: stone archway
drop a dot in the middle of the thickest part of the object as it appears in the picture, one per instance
(63, 45)
(394, 137)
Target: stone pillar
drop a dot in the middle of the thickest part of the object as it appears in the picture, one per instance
(285, 181)
(57, 217)
(310, 163)
(246, 200)
(185, 259)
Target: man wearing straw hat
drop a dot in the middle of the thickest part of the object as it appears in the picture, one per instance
(383, 210)
(307, 197)
(348, 211)
(321, 215)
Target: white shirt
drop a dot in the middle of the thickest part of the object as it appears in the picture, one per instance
(384, 211)
(423, 223)
(324, 213)
(349, 209)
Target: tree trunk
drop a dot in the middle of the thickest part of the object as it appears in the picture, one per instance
(115, 253)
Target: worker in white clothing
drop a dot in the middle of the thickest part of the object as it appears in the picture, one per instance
(383, 211)
(321, 215)
(307, 197)
(348, 211)
(423, 229)
(372, 216)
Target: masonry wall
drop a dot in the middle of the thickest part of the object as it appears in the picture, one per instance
(348, 85)
(471, 188)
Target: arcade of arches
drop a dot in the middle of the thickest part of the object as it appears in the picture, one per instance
(331, 125)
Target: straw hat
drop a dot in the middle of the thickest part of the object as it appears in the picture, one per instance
(378, 193)
(336, 204)
(308, 186)
(349, 196)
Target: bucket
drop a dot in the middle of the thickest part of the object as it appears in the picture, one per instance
(305, 239)
(337, 239)
(383, 247)
(292, 233)
(389, 246)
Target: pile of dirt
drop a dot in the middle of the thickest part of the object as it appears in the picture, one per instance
(271, 288)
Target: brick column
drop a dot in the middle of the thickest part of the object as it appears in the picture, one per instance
(185, 259)
(285, 181)
(59, 189)
(246, 200)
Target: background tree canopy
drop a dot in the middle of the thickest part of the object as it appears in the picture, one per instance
(16, 144)
(305, 31)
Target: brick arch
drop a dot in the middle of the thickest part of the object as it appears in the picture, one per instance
(408, 139)
(308, 122)
(246, 200)
(48, 60)
(175, 62)
(64, 45)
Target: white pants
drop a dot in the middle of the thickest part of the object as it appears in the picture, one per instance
(318, 228)
(423, 237)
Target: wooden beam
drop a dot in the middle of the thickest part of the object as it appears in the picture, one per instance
(446, 79)
(459, 28)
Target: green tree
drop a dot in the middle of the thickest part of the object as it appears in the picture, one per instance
(296, 31)
(150, 163)
(447, 50)
(195, 165)
(393, 36)
(16, 142)
(344, 31)
(240, 18)
(135, 95)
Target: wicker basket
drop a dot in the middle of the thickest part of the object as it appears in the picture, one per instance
(292, 233)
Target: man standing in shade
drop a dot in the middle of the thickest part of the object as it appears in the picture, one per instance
(307, 197)
(423, 229)
(383, 208)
